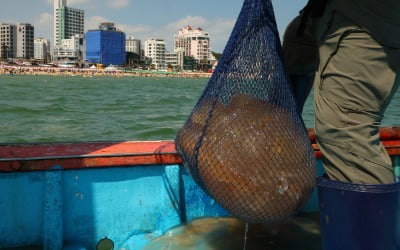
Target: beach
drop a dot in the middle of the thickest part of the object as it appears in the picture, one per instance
(90, 72)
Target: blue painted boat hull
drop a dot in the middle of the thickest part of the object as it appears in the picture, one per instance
(76, 208)
(129, 205)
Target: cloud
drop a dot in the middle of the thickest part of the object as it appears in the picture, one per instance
(194, 21)
(135, 30)
(94, 21)
(219, 30)
(117, 4)
(71, 2)
(130, 30)
(44, 25)
(44, 19)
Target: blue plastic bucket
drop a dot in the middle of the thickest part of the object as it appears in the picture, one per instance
(358, 216)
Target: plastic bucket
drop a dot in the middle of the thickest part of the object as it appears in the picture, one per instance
(358, 216)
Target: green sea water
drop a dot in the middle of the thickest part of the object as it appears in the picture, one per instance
(69, 109)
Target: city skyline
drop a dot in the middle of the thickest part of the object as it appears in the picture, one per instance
(146, 19)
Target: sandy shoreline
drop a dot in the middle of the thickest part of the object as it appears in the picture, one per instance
(86, 72)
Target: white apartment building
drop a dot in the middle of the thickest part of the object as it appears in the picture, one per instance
(25, 38)
(67, 21)
(8, 39)
(70, 50)
(132, 45)
(155, 49)
(41, 50)
(193, 42)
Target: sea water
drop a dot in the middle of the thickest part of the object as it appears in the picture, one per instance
(69, 109)
(60, 109)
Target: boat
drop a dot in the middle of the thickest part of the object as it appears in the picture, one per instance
(75, 195)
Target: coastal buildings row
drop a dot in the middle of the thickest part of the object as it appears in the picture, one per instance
(105, 45)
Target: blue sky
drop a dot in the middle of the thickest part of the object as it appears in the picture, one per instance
(147, 18)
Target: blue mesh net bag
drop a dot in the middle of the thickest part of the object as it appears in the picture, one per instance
(245, 143)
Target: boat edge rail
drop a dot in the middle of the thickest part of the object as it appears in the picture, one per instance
(17, 157)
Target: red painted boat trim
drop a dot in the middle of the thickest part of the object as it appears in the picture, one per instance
(31, 157)
(386, 134)
(85, 155)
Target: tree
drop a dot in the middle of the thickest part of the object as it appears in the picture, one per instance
(189, 63)
(204, 65)
(217, 55)
(132, 59)
(170, 67)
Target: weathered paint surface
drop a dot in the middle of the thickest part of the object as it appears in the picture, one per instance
(130, 205)
(73, 195)
(53, 210)
(77, 208)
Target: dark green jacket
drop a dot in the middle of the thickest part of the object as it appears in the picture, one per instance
(380, 17)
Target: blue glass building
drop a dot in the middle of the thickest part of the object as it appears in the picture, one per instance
(105, 45)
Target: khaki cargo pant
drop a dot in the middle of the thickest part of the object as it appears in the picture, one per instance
(356, 78)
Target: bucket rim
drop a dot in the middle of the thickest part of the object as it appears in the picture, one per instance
(324, 182)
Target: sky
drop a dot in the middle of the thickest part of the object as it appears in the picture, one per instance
(145, 19)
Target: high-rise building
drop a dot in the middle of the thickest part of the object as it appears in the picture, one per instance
(133, 45)
(25, 37)
(59, 3)
(8, 39)
(41, 50)
(16, 41)
(155, 49)
(193, 42)
(67, 21)
(105, 45)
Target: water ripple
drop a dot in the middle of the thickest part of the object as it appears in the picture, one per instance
(56, 109)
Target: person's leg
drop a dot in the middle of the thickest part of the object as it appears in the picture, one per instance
(354, 84)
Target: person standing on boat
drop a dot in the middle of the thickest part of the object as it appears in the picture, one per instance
(351, 48)
(355, 46)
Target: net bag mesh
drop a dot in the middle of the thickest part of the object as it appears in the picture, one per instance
(245, 143)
